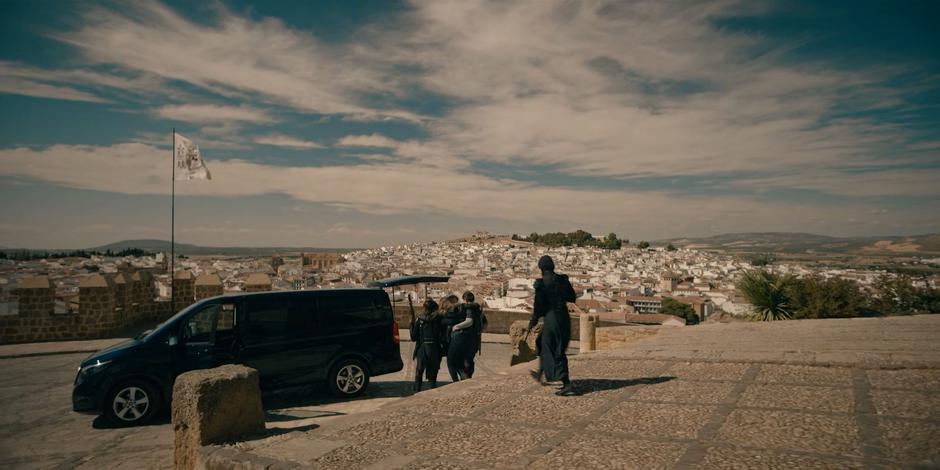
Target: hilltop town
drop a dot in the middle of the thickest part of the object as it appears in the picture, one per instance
(498, 268)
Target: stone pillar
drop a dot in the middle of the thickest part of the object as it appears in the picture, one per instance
(183, 290)
(36, 297)
(522, 341)
(214, 406)
(588, 324)
(208, 285)
(120, 291)
(96, 306)
(258, 282)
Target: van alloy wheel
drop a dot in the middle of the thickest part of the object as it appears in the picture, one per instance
(350, 379)
(130, 404)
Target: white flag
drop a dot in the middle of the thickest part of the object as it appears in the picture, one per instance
(188, 161)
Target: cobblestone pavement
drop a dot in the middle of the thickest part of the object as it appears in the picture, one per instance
(39, 430)
(695, 408)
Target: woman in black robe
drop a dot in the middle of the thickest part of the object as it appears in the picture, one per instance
(552, 294)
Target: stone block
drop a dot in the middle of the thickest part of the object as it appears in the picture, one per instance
(214, 406)
(523, 351)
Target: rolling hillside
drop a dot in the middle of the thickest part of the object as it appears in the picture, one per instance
(784, 242)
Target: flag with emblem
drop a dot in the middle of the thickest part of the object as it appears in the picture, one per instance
(187, 160)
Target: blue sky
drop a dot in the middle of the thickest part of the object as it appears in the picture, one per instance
(352, 124)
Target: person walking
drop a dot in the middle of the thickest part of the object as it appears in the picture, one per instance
(477, 322)
(460, 345)
(552, 294)
(427, 333)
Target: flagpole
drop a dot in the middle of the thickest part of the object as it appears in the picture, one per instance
(173, 226)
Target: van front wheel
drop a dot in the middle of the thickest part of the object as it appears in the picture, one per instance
(348, 378)
(132, 403)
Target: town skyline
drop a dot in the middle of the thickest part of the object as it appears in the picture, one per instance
(336, 124)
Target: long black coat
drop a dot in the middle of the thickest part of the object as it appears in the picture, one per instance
(552, 294)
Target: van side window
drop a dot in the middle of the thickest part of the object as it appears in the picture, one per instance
(338, 311)
(272, 320)
(200, 326)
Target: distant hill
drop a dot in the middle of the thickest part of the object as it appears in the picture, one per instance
(156, 246)
(786, 242)
(187, 249)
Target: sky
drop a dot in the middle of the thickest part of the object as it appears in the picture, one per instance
(368, 123)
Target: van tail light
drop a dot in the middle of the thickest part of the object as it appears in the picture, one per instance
(395, 337)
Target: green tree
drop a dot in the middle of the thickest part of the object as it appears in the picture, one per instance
(670, 247)
(896, 295)
(768, 293)
(930, 300)
(815, 297)
(672, 306)
(762, 259)
(643, 245)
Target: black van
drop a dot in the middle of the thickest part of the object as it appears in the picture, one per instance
(341, 336)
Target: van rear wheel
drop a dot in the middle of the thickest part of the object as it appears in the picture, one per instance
(132, 403)
(349, 378)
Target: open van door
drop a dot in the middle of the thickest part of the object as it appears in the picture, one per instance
(392, 283)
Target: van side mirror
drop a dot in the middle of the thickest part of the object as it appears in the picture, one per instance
(172, 340)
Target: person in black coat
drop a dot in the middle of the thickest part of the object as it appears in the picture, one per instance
(459, 321)
(474, 322)
(428, 336)
(552, 294)
(459, 344)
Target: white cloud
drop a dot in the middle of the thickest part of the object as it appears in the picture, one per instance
(22, 80)
(209, 113)
(234, 56)
(397, 188)
(368, 140)
(891, 182)
(81, 84)
(280, 140)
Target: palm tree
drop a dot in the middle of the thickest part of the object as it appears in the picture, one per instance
(767, 292)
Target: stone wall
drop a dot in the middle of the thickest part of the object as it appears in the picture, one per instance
(654, 319)
(497, 321)
(183, 290)
(208, 285)
(107, 305)
(613, 337)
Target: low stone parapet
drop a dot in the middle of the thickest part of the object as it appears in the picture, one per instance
(214, 406)
(654, 319)
(613, 337)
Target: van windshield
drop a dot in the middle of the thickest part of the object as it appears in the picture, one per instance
(162, 327)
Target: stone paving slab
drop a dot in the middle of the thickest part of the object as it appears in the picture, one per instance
(674, 411)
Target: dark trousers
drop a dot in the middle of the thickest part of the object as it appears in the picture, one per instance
(428, 362)
(460, 356)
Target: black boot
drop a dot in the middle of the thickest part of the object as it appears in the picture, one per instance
(537, 376)
(567, 390)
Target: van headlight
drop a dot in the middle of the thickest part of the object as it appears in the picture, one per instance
(90, 369)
